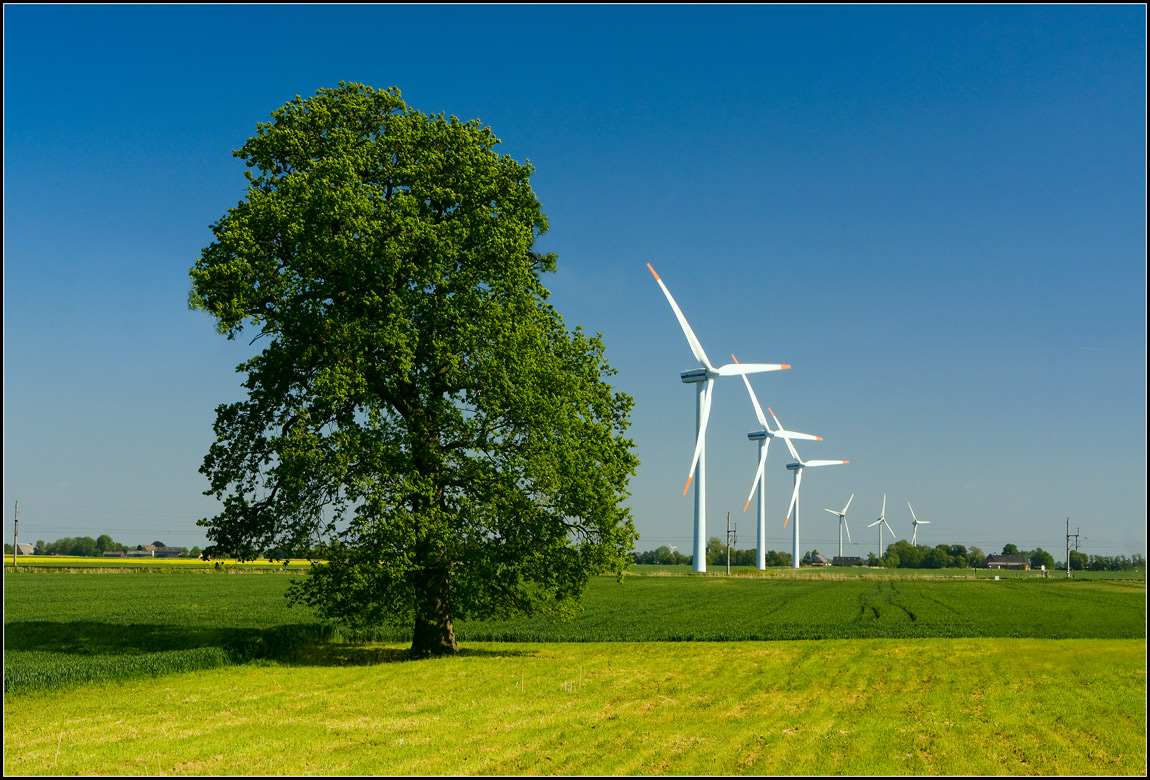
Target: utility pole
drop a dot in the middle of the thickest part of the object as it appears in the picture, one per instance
(730, 540)
(16, 537)
(1068, 535)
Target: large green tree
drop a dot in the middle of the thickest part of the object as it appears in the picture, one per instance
(419, 414)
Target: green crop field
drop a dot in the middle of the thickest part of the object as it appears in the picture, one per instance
(743, 609)
(658, 675)
(64, 627)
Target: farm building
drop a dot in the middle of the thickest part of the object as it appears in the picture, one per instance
(846, 560)
(1006, 562)
(26, 549)
(818, 559)
(114, 554)
(156, 550)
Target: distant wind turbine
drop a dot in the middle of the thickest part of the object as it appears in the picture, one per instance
(917, 523)
(843, 523)
(763, 436)
(704, 377)
(880, 523)
(798, 467)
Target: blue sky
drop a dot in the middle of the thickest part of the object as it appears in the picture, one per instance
(936, 215)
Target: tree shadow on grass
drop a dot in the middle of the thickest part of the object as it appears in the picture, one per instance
(85, 637)
(350, 654)
(306, 644)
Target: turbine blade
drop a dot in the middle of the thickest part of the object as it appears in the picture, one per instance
(794, 496)
(696, 347)
(847, 527)
(825, 462)
(791, 447)
(833, 512)
(754, 400)
(796, 435)
(892, 533)
(876, 522)
(730, 369)
(848, 506)
(912, 511)
(758, 474)
(702, 432)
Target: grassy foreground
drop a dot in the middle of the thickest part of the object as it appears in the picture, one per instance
(864, 707)
(180, 670)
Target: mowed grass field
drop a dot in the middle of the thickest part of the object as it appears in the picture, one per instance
(204, 671)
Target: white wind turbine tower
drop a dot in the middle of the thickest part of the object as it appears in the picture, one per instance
(763, 437)
(704, 377)
(843, 523)
(917, 523)
(797, 467)
(880, 523)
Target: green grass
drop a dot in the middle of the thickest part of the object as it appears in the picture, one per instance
(203, 671)
(743, 609)
(66, 627)
(863, 707)
(63, 628)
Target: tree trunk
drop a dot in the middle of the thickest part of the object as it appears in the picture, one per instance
(434, 635)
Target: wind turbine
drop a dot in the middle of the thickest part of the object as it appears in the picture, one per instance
(797, 467)
(843, 523)
(704, 377)
(917, 523)
(763, 437)
(880, 523)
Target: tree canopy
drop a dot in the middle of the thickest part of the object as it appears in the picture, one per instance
(419, 414)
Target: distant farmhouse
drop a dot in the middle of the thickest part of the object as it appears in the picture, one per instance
(847, 560)
(1006, 562)
(156, 550)
(25, 549)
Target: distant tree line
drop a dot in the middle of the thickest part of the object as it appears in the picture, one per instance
(903, 555)
(1082, 562)
(84, 547)
(716, 556)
